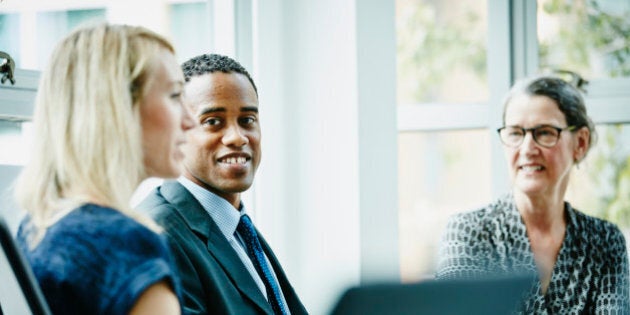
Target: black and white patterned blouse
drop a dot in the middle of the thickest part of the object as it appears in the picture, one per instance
(590, 275)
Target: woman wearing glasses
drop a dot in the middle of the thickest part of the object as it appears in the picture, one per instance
(581, 261)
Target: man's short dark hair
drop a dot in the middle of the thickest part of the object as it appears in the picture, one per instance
(209, 63)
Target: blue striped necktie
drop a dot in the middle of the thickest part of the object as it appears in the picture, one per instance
(246, 229)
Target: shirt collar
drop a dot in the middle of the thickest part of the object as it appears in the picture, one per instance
(219, 209)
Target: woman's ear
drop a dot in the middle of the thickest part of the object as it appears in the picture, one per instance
(582, 143)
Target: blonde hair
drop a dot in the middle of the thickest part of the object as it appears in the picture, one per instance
(87, 129)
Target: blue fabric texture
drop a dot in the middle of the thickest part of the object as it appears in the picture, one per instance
(246, 229)
(96, 260)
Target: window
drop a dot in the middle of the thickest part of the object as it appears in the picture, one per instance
(450, 159)
(50, 27)
(440, 174)
(29, 36)
(601, 184)
(190, 29)
(29, 33)
(442, 97)
(589, 37)
(15, 135)
(593, 39)
(9, 24)
(441, 51)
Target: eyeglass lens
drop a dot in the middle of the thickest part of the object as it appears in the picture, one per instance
(546, 136)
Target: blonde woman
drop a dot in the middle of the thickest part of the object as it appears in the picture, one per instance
(108, 114)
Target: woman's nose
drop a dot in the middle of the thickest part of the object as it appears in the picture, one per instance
(187, 120)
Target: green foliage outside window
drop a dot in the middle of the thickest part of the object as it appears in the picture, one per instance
(610, 173)
(432, 45)
(594, 40)
(593, 34)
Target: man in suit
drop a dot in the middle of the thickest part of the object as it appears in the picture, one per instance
(202, 213)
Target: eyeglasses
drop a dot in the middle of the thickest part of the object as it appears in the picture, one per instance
(544, 135)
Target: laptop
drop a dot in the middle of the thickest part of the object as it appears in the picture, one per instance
(437, 297)
(19, 292)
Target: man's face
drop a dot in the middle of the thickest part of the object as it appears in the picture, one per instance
(222, 153)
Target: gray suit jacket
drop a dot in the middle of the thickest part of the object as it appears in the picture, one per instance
(214, 279)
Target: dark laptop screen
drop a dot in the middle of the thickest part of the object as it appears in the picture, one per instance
(482, 296)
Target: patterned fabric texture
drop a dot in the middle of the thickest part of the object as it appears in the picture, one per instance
(590, 275)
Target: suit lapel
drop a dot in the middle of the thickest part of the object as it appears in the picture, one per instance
(200, 221)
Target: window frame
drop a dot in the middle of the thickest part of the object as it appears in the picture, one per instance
(17, 100)
(512, 53)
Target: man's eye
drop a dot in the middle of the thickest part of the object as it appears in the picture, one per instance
(247, 120)
(212, 121)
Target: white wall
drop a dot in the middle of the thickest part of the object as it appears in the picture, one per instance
(326, 191)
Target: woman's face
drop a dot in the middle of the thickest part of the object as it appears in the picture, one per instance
(534, 169)
(164, 118)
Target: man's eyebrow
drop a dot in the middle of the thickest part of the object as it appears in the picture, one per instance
(249, 109)
(211, 110)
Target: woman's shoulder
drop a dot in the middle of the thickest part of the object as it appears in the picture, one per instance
(96, 215)
(96, 250)
(592, 224)
(596, 230)
(91, 220)
(90, 228)
(498, 210)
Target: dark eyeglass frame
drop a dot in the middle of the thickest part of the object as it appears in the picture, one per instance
(534, 134)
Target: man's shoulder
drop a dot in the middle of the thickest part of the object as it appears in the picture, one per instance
(157, 205)
(176, 210)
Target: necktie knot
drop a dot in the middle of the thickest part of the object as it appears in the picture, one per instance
(246, 229)
(255, 252)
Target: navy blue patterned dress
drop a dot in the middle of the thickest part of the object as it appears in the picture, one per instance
(96, 260)
(590, 275)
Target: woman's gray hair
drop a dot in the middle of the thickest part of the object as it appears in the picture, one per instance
(568, 97)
